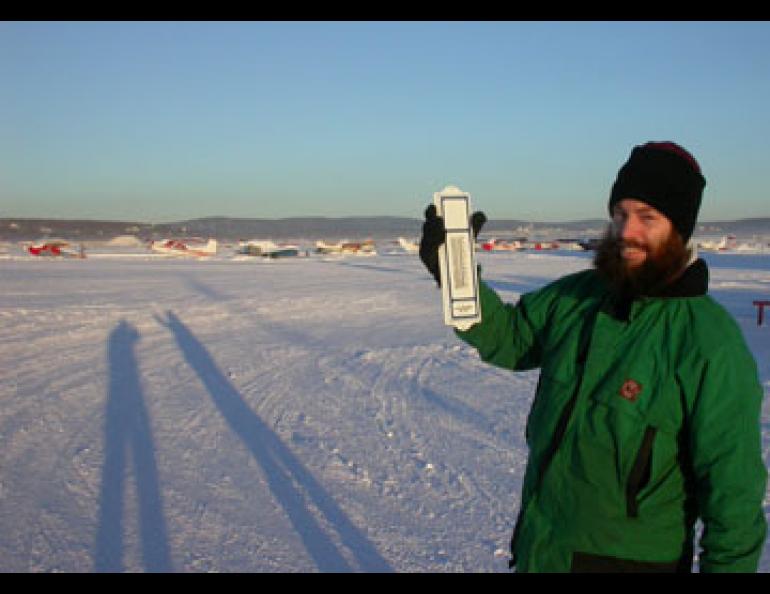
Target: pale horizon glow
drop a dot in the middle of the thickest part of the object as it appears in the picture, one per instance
(165, 121)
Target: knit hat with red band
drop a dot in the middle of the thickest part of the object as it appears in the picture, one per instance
(665, 176)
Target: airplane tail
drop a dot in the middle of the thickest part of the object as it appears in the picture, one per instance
(210, 247)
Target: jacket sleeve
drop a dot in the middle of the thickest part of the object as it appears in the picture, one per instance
(507, 336)
(726, 453)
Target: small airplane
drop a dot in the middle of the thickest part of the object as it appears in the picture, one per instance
(408, 246)
(540, 245)
(267, 249)
(498, 245)
(194, 247)
(363, 248)
(328, 248)
(727, 243)
(56, 248)
(590, 244)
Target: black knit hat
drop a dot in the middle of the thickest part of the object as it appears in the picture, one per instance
(665, 176)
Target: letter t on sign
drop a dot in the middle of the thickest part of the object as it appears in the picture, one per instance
(761, 311)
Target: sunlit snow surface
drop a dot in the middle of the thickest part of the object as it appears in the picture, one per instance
(307, 414)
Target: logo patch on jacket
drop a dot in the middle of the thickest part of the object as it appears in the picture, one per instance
(630, 390)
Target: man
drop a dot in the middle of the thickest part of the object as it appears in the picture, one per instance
(646, 414)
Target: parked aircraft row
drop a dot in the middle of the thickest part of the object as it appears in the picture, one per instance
(196, 247)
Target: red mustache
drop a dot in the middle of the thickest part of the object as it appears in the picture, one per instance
(632, 244)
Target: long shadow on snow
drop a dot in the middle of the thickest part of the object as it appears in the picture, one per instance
(373, 267)
(279, 331)
(127, 430)
(459, 410)
(206, 290)
(286, 475)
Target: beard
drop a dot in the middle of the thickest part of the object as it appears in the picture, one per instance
(663, 265)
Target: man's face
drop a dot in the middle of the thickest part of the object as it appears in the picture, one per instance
(641, 252)
(642, 231)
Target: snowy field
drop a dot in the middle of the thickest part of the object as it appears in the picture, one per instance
(298, 415)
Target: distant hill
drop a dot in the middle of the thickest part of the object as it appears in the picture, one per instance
(312, 228)
(222, 228)
(742, 227)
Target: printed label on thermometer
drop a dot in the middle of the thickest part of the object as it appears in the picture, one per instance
(457, 260)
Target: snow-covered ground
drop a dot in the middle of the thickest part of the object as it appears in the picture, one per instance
(307, 414)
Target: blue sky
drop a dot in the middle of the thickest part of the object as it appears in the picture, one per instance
(161, 121)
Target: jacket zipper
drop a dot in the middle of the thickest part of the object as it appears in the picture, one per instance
(558, 436)
(640, 473)
(566, 414)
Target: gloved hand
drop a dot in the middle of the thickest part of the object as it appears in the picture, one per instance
(434, 234)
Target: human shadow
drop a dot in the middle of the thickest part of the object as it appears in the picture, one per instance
(206, 290)
(127, 432)
(374, 267)
(459, 410)
(291, 483)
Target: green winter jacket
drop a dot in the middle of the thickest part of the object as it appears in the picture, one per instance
(644, 420)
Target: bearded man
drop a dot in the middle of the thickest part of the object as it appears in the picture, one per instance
(646, 417)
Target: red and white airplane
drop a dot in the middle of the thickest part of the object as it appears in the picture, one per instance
(193, 247)
(56, 248)
(494, 245)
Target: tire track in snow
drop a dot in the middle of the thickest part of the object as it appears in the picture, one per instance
(432, 451)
